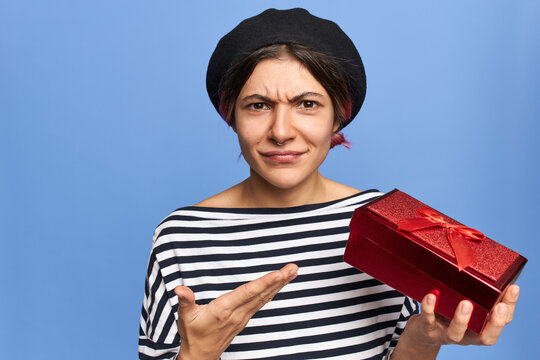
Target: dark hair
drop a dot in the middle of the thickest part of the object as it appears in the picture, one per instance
(327, 72)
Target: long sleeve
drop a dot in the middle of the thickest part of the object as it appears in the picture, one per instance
(410, 307)
(158, 335)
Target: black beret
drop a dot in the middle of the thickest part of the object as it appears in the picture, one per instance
(294, 26)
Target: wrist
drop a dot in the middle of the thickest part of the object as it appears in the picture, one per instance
(183, 354)
(408, 347)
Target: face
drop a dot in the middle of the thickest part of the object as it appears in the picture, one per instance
(282, 103)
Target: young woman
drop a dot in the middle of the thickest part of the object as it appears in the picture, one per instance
(287, 82)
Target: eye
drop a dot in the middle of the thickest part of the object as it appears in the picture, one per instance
(258, 106)
(308, 104)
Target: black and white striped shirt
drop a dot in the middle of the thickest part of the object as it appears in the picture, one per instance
(330, 311)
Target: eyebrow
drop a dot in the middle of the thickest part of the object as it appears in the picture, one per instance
(257, 97)
(304, 95)
(293, 100)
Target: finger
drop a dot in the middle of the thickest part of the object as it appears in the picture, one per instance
(259, 291)
(428, 309)
(495, 325)
(458, 326)
(186, 299)
(510, 298)
(258, 300)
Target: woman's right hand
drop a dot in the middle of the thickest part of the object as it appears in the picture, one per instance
(207, 330)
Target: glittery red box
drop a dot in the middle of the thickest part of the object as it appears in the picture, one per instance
(421, 261)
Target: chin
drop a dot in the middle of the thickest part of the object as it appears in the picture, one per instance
(284, 182)
(283, 185)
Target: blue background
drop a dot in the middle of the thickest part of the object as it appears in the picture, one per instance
(105, 127)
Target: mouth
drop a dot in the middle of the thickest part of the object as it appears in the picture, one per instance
(282, 157)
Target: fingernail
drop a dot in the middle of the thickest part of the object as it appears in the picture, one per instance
(515, 292)
(502, 310)
(466, 308)
(432, 300)
(292, 272)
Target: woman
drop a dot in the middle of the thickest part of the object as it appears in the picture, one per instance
(286, 82)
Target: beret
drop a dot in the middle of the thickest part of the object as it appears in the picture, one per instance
(293, 26)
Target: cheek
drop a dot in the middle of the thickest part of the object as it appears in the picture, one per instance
(247, 138)
(320, 130)
(251, 131)
(320, 135)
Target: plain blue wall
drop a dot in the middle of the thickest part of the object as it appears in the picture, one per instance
(105, 127)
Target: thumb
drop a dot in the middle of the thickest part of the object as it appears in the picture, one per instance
(186, 299)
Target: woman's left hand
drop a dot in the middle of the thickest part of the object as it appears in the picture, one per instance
(425, 332)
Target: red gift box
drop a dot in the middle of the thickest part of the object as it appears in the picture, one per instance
(411, 247)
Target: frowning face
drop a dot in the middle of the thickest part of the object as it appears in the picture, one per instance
(284, 121)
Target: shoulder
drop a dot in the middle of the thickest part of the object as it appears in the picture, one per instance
(184, 222)
(195, 218)
(337, 190)
(225, 199)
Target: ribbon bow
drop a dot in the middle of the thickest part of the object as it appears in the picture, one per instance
(456, 234)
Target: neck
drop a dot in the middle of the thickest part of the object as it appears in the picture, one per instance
(257, 192)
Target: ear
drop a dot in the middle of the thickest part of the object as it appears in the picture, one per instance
(336, 126)
(232, 122)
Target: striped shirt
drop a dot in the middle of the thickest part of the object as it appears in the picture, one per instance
(330, 311)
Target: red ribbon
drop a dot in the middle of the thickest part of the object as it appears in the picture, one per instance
(457, 235)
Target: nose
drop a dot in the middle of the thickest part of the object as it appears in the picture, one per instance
(282, 129)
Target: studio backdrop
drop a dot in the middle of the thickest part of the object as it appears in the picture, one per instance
(106, 127)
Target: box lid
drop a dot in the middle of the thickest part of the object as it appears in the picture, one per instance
(492, 259)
